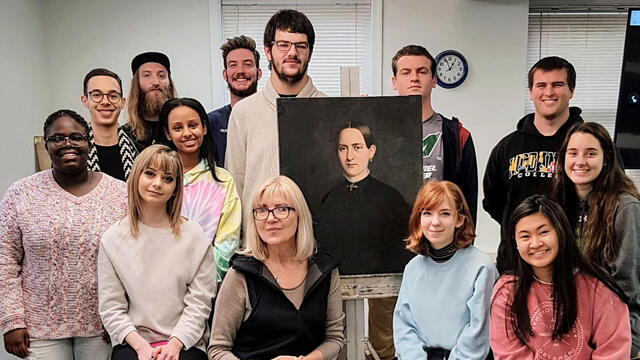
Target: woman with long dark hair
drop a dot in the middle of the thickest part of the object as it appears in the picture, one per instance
(603, 207)
(555, 304)
(210, 195)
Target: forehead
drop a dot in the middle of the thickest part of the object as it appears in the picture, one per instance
(290, 36)
(532, 222)
(581, 139)
(183, 113)
(350, 136)
(413, 62)
(439, 202)
(271, 198)
(103, 82)
(162, 164)
(240, 55)
(152, 67)
(558, 75)
(65, 125)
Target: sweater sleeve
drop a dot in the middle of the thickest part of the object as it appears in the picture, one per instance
(228, 232)
(334, 328)
(611, 334)
(469, 172)
(495, 199)
(11, 255)
(406, 335)
(235, 157)
(200, 293)
(626, 269)
(230, 311)
(473, 341)
(504, 342)
(112, 299)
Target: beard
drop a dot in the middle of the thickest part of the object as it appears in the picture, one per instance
(290, 79)
(246, 92)
(151, 102)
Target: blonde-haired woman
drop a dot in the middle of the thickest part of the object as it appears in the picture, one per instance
(156, 272)
(280, 286)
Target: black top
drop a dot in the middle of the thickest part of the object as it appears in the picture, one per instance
(110, 161)
(365, 224)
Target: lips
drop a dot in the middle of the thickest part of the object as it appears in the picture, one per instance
(539, 252)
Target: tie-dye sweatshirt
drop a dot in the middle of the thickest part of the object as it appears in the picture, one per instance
(216, 207)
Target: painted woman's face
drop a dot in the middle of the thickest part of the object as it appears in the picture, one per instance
(537, 243)
(353, 153)
(440, 223)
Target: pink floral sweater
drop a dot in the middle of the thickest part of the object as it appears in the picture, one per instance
(49, 242)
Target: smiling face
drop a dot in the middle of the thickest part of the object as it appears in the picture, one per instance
(277, 232)
(155, 186)
(105, 112)
(583, 160)
(440, 223)
(550, 94)
(414, 76)
(185, 130)
(289, 66)
(537, 243)
(353, 154)
(67, 157)
(241, 72)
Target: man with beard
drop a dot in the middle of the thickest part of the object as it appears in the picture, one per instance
(252, 150)
(151, 86)
(241, 72)
(111, 149)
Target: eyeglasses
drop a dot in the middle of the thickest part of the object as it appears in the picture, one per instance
(96, 96)
(279, 212)
(284, 45)
(75, 139)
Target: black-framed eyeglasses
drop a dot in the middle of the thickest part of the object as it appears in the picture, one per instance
(75, 139)
(96, 96)
(284, 45)
(279, 212)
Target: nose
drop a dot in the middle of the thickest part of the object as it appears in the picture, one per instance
(350, 154)
(155, 80)
(435, 219)
(413, 76)
(104, 99)
(293, 51)
(535, 242)
(157, 181)
(271, 217)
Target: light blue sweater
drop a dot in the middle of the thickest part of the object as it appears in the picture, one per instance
(445, 305)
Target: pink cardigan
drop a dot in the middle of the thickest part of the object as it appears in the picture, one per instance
(49, 242)
(601, 330)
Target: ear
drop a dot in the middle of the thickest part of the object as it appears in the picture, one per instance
(166, 133)
(259, 73)
(224, 74)
(84, 101)
(123, 102)
(531, 94)
(460, 221)
(204, 128)
(434, 81)
(372, 152)
(394, 83)
(267, 52)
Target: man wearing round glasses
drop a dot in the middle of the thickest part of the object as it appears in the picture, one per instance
(252, 140)
(111, 149)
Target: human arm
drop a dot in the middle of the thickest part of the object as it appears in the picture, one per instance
(16, 342)
(197, 300)
(334, 326)
(140, 345)
(168, 351)
(230, 311)
(472, 343)
(495, 190)
(228, 232)
(502, 338)
(626, 267)
(235, 157)
(469, 177)
(611, 333)
(407, 338)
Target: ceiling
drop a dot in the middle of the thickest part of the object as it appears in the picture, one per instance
(583, 5)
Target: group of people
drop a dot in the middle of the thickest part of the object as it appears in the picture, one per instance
(92, 267)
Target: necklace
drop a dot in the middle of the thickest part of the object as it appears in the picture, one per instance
(541, 281)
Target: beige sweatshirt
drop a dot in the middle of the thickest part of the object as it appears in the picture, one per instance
(158, 284)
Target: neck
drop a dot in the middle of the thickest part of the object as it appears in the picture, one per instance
(284, 88)
(67, 181)
(105, 135)
(189, 161)
(355, 179)
(427, 110)
(154, 216)
(234, 99)
(582, 190)
(548, 126)
(545, 275)
(154, 117)
(282, 253)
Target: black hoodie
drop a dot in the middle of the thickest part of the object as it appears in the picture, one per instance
(519, 166)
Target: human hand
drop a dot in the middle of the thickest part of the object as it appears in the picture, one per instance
(16, 342)
(145, 352)
(140, 345)
(170, 351)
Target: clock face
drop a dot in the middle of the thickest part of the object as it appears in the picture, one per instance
(451, 69)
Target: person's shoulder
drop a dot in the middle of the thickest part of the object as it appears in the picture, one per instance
(247, 104)
(505, 284)
(33, 180)
(626, 199)
(221, 111)
(477, 255)
(116, 232)
(223, 174)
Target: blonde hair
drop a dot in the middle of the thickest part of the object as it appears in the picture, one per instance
(305, 242)
(431, 195)
(167, 160)
(133, 111)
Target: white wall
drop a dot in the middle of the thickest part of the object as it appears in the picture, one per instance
(25, 94)
(492, 35)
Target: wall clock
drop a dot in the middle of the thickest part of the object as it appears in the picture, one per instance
(451, 69)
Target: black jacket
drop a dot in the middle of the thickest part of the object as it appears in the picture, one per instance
(519, 166)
